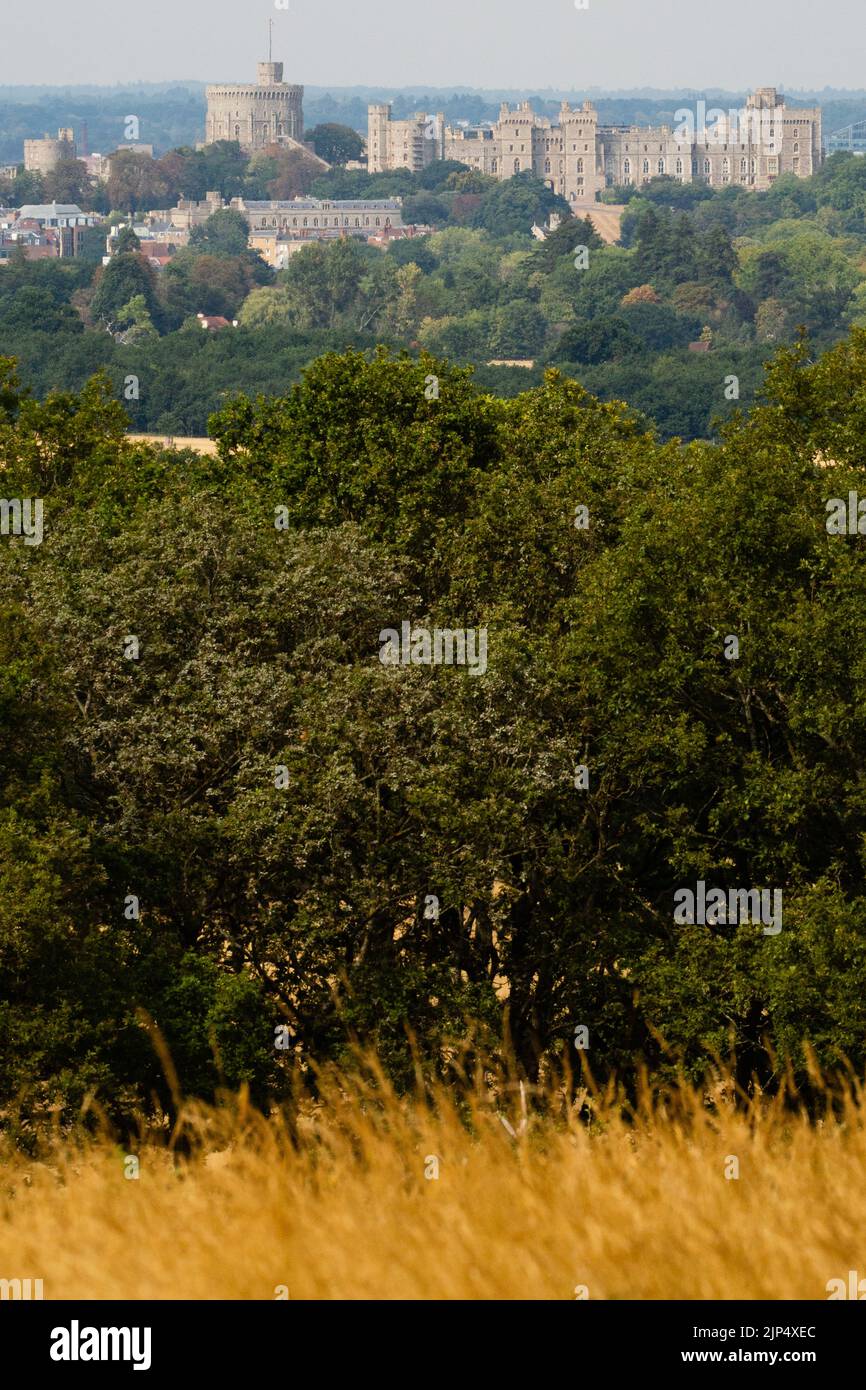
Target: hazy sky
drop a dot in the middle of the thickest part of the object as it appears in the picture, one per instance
(732, 44)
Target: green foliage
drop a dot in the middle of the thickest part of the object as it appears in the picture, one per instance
(259, 649)
(336, 144)
(225, 233)
(124, 278)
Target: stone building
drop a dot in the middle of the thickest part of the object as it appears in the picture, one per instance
(410, 144)
(314, 217)
(269, 112)
(578, 158)
(43, 156)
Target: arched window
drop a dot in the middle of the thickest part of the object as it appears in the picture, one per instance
(744, 168)
(646, 166)
(626, 166)
(661, 166)
(237, 132)
(547, 166)
(706, 166)
(679, 166)
(726, 171)
(517, 166)
(797, 149)
(580, 166)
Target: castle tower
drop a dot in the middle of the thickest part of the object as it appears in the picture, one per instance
(378, 137)
(269, 112)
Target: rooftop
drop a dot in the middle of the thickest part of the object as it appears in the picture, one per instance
(41, 211)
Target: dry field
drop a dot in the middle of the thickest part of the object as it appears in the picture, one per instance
(348, 1205)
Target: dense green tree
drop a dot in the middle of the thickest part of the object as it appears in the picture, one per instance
(336, 144)
(125, 277)
(225, 233)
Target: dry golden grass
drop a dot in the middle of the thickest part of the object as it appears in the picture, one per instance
(631, 1206)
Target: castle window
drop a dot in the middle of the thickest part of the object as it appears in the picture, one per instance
(517, 166)
(547, 166)
(661, 166)
(796, 149)
(706, 166)
(580, 166)
(679, 166)
(743, 167)
(646, 166)
(626, 166)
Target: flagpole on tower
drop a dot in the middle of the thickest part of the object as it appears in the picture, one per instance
(270, 40)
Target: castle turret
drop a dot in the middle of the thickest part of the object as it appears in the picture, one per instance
(270, 74)
(269, 112)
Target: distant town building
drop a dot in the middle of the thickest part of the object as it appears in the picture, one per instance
(57, 215)
(43, 156)
(50, 229)
(410, 144)
(215, 323)
(577, 157)
(146, 150)
(299, 216)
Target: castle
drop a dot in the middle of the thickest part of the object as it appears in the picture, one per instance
(578, 158)
(269, 112)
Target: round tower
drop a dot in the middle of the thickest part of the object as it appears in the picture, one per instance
(268, 112)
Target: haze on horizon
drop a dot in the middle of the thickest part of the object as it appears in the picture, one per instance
(537, 44)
